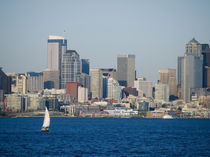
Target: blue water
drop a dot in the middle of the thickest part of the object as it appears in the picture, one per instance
(105, 137)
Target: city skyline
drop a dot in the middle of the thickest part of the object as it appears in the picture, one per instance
(155, 32)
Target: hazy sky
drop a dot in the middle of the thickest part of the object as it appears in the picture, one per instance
(156, 31)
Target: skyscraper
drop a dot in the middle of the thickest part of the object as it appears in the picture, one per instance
(85, 66)
(190, 69)
(126, 70)
(57, 46)
(168, 76)
(96, 83)
(70, 70)
(206, 65)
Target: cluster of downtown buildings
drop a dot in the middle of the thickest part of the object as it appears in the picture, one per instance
(70, 84)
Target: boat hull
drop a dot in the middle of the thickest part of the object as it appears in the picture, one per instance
(44, 130)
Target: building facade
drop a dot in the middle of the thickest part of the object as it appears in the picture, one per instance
(35, 82)
(82, 94)
(71, 70)
(126, 70)
(168, 76)
(51, 79)
(206, 65)
(143, 86)
(161, 92)
(190, 69)
(85, 66)
(57, 46)
(72, 89)
(96, 83)
(5, 82)
(114, 90)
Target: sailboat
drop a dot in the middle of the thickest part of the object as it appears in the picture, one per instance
(46, 123)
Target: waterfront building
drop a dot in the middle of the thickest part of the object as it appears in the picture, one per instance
(35, 82)
(71, 70)
(168, 76)
(96, 83)
(15, 103)
(206, 65)
(82, 94)
(191, 69)
(143, 86)
(85, 66)
(114, 90)
(51, 79)
(72, 89)
(161, 92)
(126, 70)
(5, 82)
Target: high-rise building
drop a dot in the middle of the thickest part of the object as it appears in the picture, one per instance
(5, 82)
(190, 74)
(70, 70)
(144, 86)
(85, 66)
(96, 83)
(206, 65)
(162, 92)
(57, 46)
(51, 79)
(21, 84)
(168, 76)
(35, 82)
(114, 90)
(126, 70)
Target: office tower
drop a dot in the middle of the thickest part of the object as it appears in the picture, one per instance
(190, 73)
(96, 83)
(109, 73)
(144, 86)
(72, 89)
(35, 82)
(206, 65)
(113, 89)
(57, 46)
(85, 66)
(168, 76)
(21, 84)
(162, 92)
(51, 79)
(105, 84)
(5, 82)
(82, 94)
(70, 70)
(126, 70)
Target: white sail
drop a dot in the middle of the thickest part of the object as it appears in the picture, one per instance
(46, 122)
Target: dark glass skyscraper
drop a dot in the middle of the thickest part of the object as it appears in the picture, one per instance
(85, 66)
(70, 71)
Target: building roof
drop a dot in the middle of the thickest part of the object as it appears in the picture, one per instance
(53, 37)
(193, 41)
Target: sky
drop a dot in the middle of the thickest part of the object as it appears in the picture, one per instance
(156, 31)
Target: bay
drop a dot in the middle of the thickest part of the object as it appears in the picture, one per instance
(105, 137)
